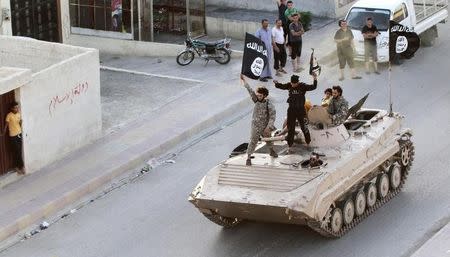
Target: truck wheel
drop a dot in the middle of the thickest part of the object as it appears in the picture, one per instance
(428, 38)
(397, 60)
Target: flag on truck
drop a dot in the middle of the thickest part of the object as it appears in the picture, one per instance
(255, 57)
(403, 42)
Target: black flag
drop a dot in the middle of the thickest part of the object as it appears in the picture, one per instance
(402, 41)
(255, 57)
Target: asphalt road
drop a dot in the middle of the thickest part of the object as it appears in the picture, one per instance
(152, 217)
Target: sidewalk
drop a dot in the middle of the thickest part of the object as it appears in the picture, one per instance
(437, 246)
(215, 97)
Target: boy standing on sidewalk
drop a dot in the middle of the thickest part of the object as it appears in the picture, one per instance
(14, 127)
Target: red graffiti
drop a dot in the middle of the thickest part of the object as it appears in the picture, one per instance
(69, 97)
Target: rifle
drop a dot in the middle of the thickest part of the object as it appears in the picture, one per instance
(314, 66)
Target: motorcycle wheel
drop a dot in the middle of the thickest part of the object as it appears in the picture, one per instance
(185, 57)
(224, 56)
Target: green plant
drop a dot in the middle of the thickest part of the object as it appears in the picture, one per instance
(305, 19)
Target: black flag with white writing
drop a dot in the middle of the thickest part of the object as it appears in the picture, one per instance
(255, 57)
(403, 41)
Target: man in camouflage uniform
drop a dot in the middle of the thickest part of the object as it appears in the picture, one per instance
(263, 119)
(338, 108)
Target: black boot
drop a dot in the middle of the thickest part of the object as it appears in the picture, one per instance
(248, 162)
(273, 153)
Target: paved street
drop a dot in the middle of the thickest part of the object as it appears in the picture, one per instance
(151, 216)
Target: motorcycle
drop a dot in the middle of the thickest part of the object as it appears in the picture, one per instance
(218, 51)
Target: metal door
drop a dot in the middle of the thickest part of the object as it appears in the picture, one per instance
(6, 158)
(36, 18)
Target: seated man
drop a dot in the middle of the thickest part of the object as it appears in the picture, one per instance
(338, 107)
(327, 97)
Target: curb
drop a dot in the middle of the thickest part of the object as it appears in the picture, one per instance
(91, 186)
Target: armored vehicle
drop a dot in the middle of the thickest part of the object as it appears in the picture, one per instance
(344, 175)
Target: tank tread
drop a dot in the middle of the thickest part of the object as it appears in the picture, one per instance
(223, 221)
(327, 232)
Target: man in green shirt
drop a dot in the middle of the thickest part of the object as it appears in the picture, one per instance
(290, 10)
(288, 15)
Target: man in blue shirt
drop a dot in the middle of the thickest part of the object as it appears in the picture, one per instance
(265, 34)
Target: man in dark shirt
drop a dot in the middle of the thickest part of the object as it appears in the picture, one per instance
(345, 48)
(296, 110)
(370, 33)
(296, 31)
(282, 7)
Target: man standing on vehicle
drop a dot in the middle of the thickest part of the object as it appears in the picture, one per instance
(338, 107)
(279, 49)
(296, 31)
(263, 119)
(370, 33)
(345, 49)
(265, 34)
(296, 110)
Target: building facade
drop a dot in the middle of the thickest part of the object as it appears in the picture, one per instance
(141, 20)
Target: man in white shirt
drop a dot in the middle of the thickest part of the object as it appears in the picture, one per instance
(279, 49)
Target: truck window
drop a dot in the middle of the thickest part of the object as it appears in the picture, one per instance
(400, 13)
(356, 18)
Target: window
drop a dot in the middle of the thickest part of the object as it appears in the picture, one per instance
(400, 13)
(357, 17)
(106, 15)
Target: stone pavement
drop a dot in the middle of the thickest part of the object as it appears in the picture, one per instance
(200, 98)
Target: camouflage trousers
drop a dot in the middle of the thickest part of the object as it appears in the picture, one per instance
(256, 133)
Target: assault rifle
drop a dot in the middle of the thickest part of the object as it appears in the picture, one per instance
(314, 66)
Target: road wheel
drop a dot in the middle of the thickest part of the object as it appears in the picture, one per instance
(336, 220)
(395, 176)
(382, 185)
(185, 57)
(360, 203)
(223, 56)
(371, 195)
(349, 211)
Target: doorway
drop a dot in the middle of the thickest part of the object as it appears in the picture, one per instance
(6, 158)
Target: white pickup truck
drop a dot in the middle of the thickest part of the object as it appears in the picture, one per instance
(420, 15)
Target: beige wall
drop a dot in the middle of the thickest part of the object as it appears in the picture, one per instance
(60, 106)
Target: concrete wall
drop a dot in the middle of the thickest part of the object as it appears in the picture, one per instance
(231, 28)
(61, 104)
(5, 25)
(322, 8)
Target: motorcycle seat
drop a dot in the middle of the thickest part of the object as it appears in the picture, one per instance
(210, 44)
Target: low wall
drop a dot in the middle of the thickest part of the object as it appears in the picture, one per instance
(321, 8)
(23, 52)
(125, 47)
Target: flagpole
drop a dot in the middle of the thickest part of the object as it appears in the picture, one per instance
(390, 73)
(390, 89)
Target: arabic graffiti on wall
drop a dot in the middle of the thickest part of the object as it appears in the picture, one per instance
(69, 97)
